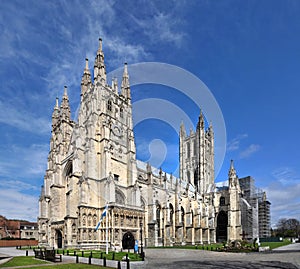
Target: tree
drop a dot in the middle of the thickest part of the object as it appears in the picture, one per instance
(288, 227)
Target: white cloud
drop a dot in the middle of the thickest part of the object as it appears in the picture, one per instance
(285, 201)
(234, 144)
(249, 151)
(160, 26)
(23, 120)
(17, 205)
(24, 162)
(286, 175)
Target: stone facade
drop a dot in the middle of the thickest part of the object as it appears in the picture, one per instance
(92, 162)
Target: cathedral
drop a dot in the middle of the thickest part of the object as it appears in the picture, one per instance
(92, 166)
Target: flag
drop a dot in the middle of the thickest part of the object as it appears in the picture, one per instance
(102, 217)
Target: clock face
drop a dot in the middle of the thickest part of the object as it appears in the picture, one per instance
(117, 131)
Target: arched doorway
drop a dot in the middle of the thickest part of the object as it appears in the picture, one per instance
(222, 223)
(58, 239)
(128, 241)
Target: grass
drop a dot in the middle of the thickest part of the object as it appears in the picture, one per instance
(97, 254)
(67, 266)
(20, 261)
(273, 245)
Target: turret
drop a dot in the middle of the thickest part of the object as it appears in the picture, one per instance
(99, 66)
(200, 124)
(55, 114)
(234, 225)
(233, 178)
(86, 78)
(65, 111)
(182, 132)
(125, 87)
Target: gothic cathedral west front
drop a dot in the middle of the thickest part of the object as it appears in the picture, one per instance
(92, 163)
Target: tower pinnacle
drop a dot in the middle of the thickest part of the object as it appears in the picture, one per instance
(200, 124)
(233, 178)
(125, 87)
(182, 129)
(99, 66)
(86, 78)
(55, 114)
(65, 106)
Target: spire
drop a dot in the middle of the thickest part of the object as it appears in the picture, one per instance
(182, 130)
(232, 171)
(65, 106)
(125, 87)
(99, 66)
(200, 124)
(210, 131)
(114, 85)
(55, 114)
(86, 78)
(233, 178)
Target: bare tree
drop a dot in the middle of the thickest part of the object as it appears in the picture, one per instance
(288, 227)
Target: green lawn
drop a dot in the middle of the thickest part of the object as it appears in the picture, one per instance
(26, 261)
(97, 254)
(19, 261)
(273, 245)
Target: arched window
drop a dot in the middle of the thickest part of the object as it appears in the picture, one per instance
(84, 220)
(171, 213)
(121, 113)
(109, 105)
(188, 150)
(222, 200)
(69, 169)
(95, 220)
(90, 220)
(158, 209)
(195, 148)
(182, 216)
(120, 198)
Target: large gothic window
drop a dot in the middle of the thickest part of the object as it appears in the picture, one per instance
(196, 178)
(171, 213)
(120, 198)
(188, 149)
(158, 209)
(182, 215)
(195, 148)
(109, 105)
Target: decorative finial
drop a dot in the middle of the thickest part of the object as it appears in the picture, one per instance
(65, 90)
(100, 43)
(86, 63)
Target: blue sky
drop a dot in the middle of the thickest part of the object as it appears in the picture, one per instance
(246, 52)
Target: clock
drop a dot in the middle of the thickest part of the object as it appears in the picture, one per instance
(117, 131)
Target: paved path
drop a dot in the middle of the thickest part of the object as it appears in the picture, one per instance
(287, 257)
